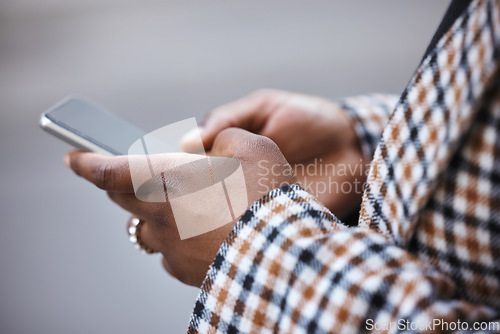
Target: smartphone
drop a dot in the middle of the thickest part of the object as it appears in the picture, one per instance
(87, 126)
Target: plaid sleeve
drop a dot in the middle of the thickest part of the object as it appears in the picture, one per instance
(289, 265)
(369, 114)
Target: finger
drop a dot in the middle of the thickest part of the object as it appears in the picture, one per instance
(108, 173)
(190, 272)
(234, 142)
(130, 203)
(253, 150)
(249, 113)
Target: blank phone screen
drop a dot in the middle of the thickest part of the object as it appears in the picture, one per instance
(96, 125)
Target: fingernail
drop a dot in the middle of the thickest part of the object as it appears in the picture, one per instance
(66, 160)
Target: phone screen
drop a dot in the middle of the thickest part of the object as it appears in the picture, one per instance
(95, 125)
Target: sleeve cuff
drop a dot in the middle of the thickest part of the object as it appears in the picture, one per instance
(369, 114)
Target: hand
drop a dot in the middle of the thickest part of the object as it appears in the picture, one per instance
(314, 135)
(188, 259)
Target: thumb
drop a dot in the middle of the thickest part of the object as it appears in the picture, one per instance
(249, 113)
(235, 142)
(202, 138)
(258, 156)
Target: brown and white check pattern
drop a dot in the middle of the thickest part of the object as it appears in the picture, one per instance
(428, 241)
(369, 115)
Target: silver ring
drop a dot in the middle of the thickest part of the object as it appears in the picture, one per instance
(133, 229)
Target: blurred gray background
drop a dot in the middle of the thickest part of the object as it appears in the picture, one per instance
(66, 265)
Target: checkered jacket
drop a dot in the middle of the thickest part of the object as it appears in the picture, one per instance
(427, 246)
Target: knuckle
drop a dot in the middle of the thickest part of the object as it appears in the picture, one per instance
(267, 148)
(265, 143)
(103, 176)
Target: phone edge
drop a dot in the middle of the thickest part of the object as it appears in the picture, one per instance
(69, 137)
